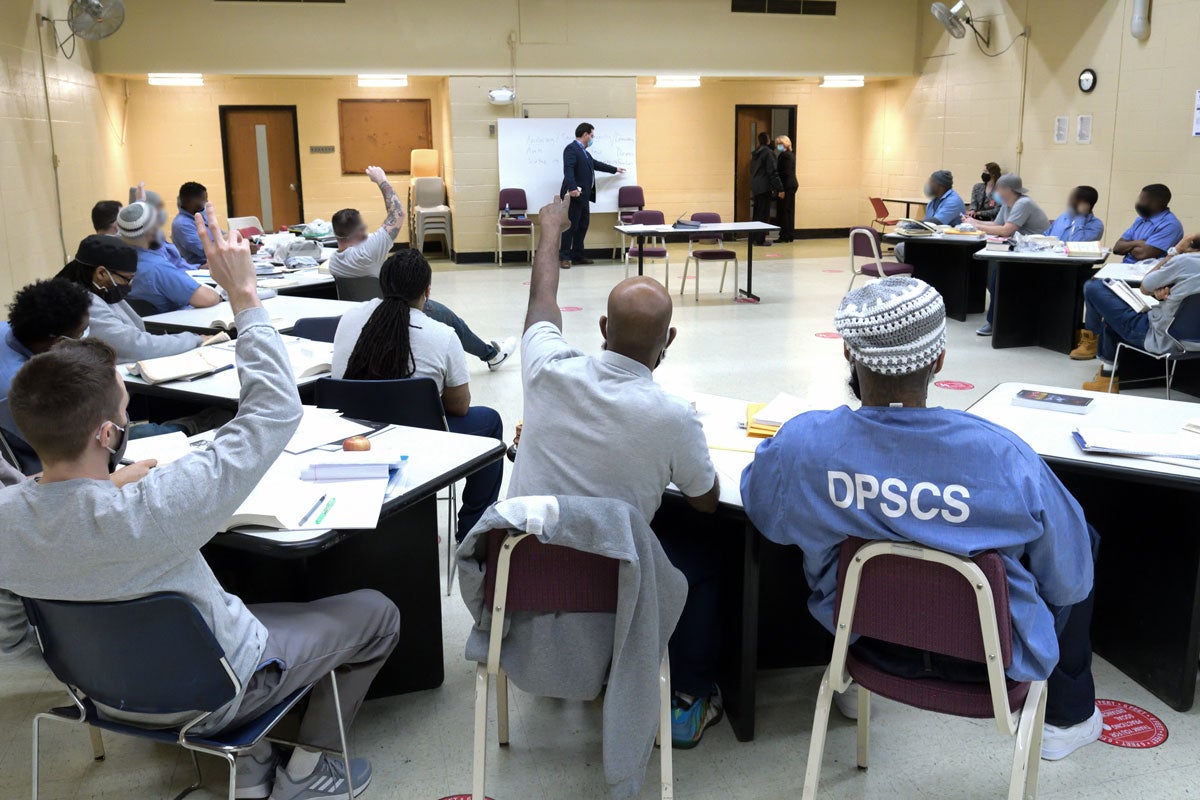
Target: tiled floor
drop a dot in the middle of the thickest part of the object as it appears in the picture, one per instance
(421, 744)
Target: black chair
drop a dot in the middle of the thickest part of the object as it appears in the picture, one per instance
(13, 447)
(1184, 328)
(318, 329)
(144, 308)
(152, 655)
(414, 402)
(357, 290)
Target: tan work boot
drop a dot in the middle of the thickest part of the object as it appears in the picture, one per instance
(1102, 382)
(1088, 345)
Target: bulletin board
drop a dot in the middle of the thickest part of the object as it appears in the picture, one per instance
(383, 133)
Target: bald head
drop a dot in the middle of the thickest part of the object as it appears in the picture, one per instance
(638, 324)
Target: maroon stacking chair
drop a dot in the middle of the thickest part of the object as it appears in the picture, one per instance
(512, 219)
(629, 200)
(547, 578)
(923, 598)
(714, 253)
(865, 243)
(656, 246)
(883, 217)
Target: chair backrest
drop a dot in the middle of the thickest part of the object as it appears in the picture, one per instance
(423, 163)
(428, 192)
(920, 603)
(649, 217)
(550, 577)
(864, 243)
(1186, 326)
(515, 200)
(631, 197)
(318, 329)
(357, 290)
(881, 209)
(143, 308)
(239, 223)
(414, 402)
(152, 655)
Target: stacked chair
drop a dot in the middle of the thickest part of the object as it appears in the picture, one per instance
(430, 216)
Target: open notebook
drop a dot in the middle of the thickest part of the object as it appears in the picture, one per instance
(308, 359)
(281, 500)
(1107, 442)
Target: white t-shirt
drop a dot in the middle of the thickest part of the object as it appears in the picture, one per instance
(435, 347)
(601, 427)
(363, 259)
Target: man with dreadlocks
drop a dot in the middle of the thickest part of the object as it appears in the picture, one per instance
(392, 337)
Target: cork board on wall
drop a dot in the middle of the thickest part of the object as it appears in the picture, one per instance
(383, 133)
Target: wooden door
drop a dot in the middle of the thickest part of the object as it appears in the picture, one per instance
(751, 120)
(262, 164)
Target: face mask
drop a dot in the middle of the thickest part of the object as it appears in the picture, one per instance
(779, 148)
(113, 294)
(115, 455)
(1143, 211)
(590, 142)
(985, 177)
(996, 196)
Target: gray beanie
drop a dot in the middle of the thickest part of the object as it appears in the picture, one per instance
(943, 178)
(893, 326)
(137, 219)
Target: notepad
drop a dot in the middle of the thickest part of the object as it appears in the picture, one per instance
(1105, 441)
(164, 449)
(780, 410)
(280, 501)
(351, 466)
(1083, 249)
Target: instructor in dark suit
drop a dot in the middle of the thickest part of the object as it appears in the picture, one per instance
(579, 181)
(764, 183)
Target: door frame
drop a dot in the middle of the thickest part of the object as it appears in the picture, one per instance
(223, 112)
(792, 115)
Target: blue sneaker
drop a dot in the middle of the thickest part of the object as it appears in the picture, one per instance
(691, 716)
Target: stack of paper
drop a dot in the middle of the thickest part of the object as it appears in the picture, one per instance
(321, 426)
(350, 466)
(763, 420)
(1107, 442)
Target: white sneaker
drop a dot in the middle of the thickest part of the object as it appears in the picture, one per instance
(847, 702)
(1058, 743)
(506, 350)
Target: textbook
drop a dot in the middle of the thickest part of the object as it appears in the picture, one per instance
(184, 366)
(913, 227)
(1134, 299)
(997, 244)
(1052, 401)
(282, 501)
(1086, 249)
(1107, 442)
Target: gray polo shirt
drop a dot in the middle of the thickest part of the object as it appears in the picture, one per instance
(1026, 215)
(601, 427)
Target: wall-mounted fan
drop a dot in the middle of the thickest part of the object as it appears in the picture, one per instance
(956, 20)
(90, 20)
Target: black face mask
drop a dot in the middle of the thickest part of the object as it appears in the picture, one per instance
(985, 177)
(1144, 211)
(113, 294)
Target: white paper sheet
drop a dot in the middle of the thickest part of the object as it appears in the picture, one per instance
(321, 426)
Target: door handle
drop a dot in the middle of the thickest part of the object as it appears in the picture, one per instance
(292, 186)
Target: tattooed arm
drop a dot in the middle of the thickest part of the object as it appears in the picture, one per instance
(395, 209)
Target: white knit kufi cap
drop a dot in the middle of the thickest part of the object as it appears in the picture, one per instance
(893, 326)
(136, 219)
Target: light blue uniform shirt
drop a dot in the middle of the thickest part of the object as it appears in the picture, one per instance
(945, 210)
(13, 356)
(172, 255)
(1163, 230)
(941, 478)
(186, 239)
(160, 283)
(1071, 227)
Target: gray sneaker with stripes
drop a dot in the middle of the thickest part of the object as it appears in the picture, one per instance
(327, 780)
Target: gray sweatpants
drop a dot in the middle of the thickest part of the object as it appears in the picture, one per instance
(352, 633)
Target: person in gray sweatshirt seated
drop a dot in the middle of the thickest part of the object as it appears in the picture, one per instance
(146, 537)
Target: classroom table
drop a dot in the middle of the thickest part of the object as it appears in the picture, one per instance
(301, 283)
(909, 202)
(399, 557)
(1146, 620)
(708, 229)
(945, 262)
(1039, 297)
(284, 312)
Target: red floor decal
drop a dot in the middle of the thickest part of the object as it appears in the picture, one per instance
(956, 386)
(570, 308)
(829, 335)
(833, 271)
(1127, 725)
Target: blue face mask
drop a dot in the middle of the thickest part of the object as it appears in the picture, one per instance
(779, 147)
(996, 196)
(590, 142)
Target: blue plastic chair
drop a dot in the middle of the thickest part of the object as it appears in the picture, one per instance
(318, 329)
(1184, 328)
(152, 655)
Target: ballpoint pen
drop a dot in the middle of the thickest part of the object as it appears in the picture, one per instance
(312, 510)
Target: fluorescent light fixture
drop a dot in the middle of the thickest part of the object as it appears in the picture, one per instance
(382, 81)
(502, 96)
(842, 81)
(677, 81)
(176, 79)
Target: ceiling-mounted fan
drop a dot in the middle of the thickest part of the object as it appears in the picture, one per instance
(90, 20)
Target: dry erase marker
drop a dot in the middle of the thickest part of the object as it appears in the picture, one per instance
(321, 517)
(312, 510)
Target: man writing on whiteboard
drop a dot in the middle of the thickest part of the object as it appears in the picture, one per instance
(579, 181)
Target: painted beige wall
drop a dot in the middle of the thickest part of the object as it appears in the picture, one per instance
(88, 120)
(175, 135)
(469, 37)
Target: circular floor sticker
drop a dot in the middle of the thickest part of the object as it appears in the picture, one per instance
(833, 271)
(1127, 725)
(956, 386)
(570, 308)
(466, 796)
(829, 335)
(771, 255)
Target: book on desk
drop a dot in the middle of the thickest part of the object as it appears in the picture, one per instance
(308, 359)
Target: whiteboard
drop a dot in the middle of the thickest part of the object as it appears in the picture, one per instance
(531, 152)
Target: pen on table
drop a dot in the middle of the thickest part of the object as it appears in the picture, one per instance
(313, 510)
(210, 374)
(321, 517)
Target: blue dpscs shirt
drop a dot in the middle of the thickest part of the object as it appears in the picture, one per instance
(160, 283)
(1163, 230)
(940, 478)
(945, 210)
(1072, 227)
(186, 238)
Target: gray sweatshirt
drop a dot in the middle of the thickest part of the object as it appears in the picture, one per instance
(86, 540)
(119, 326)
(568, 655)
(1182, 274)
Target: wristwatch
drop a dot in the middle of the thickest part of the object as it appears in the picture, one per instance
(1171, 251)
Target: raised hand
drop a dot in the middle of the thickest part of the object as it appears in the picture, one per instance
(229, 261)
(377, 175)
(552, 219)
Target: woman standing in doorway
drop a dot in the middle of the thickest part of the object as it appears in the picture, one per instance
(983, 203)
(786, 207)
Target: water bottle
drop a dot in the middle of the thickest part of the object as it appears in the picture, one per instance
(506, 212)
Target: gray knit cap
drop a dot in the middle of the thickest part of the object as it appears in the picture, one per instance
(893, 326)
(137, 219)
(942, 178)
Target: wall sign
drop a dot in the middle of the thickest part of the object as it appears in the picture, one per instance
(1083, 129)
(1060, 129)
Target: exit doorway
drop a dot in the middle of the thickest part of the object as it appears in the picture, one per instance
(262, 164)
(751, 121)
